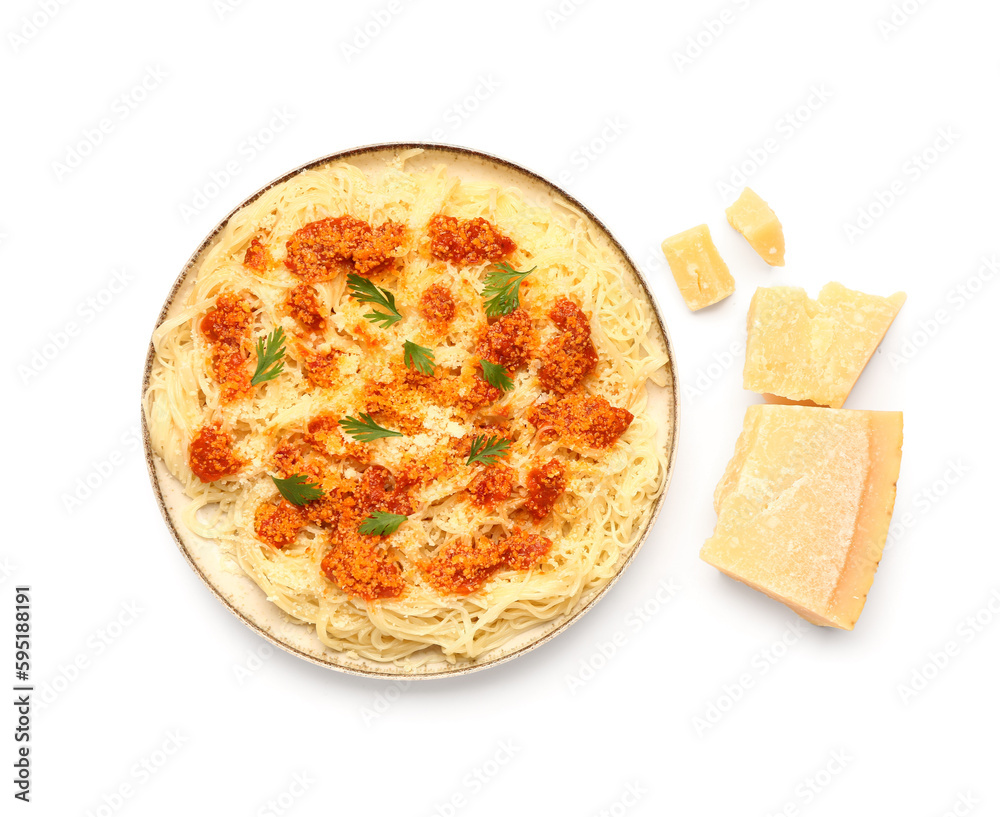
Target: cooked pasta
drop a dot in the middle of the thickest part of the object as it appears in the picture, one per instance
(552, 390)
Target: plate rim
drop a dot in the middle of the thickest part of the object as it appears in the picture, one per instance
(571, 618)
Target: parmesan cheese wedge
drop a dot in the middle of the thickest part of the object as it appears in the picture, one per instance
(701, 275)
(751, 216)
(805, 504)
(802, 349)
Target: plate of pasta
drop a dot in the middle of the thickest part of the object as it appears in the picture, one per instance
(409, 410)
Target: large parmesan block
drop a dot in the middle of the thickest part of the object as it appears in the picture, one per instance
(701, 275)
(802, 349)
(805, 504)
(751, 216)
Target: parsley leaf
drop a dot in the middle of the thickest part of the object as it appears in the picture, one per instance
(297, 489)
(487, 451)
(366, 292)
(496, 375)
(380, 523)
(502, 290)
(366, 429)
(269, 357)
(418, 357)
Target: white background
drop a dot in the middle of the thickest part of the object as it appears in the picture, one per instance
(718, 703)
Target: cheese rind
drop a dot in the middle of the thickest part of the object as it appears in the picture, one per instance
(701, 275)
(751, 216)
(805, 504)
(802, 349)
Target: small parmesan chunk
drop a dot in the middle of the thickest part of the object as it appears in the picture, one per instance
(751, 216)
(701, 275)
(805, 504)
(802, 349)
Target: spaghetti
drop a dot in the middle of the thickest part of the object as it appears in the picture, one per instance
(488, 548)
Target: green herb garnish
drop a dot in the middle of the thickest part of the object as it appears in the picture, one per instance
(297, 489)
(269, 357)
(418, 357)
(366, 429)
(487, 451)
(367, 293)
(501, 292)
(496, 375)
(380, 523)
